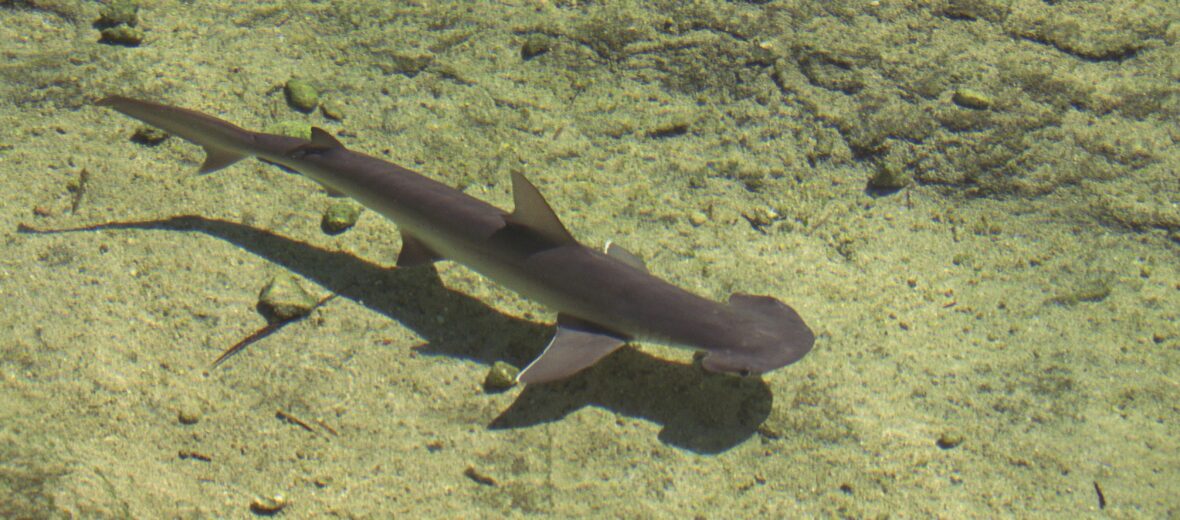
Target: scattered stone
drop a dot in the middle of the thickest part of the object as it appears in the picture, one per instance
(973, 99)
(892, 170)
(535, 45)
(188, 412)
(284, 299)
(194, 455)
(478, 477)
(340, 216)
(301, 95)
(501, 376)
(760, 216)
(889, 176)
(332, 110)
(949, 439)
(122, 35)
(268, 506)
(149, 135)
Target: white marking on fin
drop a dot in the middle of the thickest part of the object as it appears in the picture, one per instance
(534, 213)
(570, 351)
(622, 254)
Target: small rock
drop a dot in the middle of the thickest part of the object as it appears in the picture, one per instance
(479, 477)
(188, 412)
(949, 439)
(698, 218)
(889, 176)
(893, 170)
(122, 35)
(268, 506)
(301, 95)
(971, 98)
(284, 299)
(340, 216)
(501, 376)
(332, 110)
(535, 45)
(760, 216)
(118, 12)
(149, 135)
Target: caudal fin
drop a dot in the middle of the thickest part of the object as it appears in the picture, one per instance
(222, 141)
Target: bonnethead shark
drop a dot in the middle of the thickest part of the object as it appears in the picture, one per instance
(603, 299)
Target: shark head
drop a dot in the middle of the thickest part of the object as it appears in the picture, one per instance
(767, 334)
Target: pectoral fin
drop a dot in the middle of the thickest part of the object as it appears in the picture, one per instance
(218, 158)
(574, 347)
(415, 253)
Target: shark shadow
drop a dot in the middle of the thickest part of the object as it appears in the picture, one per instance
(699, 411)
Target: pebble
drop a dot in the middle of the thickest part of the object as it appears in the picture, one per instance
(889, 176)
(332, 110)
(971, 98)
(301, 95)
(535, 45)
(501, 376)
(149, 135)
(949, 439)
(122, 35)
(188, 412)
(284, 299)
(340, 216)
(760, 216)
(268, 506)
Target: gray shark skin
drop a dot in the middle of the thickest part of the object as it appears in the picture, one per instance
(603, 298)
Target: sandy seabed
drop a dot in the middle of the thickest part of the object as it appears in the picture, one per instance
(974, 204)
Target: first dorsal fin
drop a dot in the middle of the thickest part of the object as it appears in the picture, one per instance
(534, 213)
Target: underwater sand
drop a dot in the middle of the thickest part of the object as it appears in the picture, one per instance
(998, 337)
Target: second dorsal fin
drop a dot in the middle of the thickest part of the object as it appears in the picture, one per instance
(321, 137)
(534, 213)
(625, 256)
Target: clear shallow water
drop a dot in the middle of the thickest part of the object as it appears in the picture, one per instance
(997, 338)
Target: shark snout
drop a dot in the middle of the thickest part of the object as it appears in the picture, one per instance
(764, 359)
(766, 335)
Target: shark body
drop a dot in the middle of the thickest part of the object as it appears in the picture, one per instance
(603, 298)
